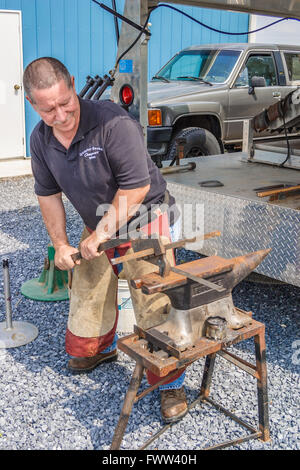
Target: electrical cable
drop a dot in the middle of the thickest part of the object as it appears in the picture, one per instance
(116, 21)
(193, 19)
(287, 139)
(211, 29)
(112, 72)
(134, 42)
(218, 30)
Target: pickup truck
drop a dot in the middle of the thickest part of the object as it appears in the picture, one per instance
(204, 93)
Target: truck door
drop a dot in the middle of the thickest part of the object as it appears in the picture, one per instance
(243, 105)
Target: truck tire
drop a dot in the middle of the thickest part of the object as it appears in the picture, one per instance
(199, 142)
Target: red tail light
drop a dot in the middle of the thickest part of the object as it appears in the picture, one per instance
(126, 95)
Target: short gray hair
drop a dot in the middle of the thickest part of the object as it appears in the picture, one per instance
(43, 73)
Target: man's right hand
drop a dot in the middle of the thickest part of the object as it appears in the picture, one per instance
(63, 259)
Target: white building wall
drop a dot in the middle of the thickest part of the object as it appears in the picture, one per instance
(285, 32)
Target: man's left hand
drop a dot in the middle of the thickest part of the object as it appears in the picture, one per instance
(89, 246)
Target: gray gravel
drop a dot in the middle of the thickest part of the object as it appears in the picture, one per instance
(44, 406)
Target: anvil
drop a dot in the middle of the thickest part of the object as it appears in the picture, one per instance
(198, 309)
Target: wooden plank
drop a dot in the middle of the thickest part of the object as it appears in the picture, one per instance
(203, 268)
(275, 192)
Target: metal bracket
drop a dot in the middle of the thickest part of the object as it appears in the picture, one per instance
(248, 146)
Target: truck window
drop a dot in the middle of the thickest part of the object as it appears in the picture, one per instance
(258, 65)
(210, 64)
(292, 60)
(188, 63)
(222, 66)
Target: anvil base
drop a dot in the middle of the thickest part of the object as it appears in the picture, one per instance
(165, 366)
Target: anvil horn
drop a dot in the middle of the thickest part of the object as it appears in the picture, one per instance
(244, 265)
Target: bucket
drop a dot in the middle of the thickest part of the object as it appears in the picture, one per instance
(126, 312)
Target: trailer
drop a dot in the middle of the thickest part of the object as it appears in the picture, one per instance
(255, 200)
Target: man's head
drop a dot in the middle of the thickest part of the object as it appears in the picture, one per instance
(51, 91)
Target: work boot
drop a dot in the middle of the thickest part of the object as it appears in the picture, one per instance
(173, 404)
(86, 364)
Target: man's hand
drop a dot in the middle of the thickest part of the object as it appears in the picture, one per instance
(89, 246)
(118, 215)
(63, 258)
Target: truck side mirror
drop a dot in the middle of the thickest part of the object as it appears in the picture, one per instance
(256, 82)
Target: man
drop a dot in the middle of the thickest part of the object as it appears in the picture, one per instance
(94, 153)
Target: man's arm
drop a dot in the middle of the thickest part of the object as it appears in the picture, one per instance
(123, 207)
(53, 212)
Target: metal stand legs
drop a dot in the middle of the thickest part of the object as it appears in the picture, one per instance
(262, 388)
(127, 406)
(259, 371)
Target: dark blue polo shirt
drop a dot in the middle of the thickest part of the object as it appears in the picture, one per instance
(107, 153)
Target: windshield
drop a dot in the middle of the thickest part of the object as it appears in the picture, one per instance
(214, 66)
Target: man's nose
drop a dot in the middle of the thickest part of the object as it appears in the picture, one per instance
(61, 114)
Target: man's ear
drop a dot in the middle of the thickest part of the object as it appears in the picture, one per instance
(73, 82)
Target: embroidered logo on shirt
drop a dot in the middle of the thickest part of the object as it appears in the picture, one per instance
(91, 152)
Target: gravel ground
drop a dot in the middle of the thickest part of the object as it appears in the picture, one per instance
(44, 407)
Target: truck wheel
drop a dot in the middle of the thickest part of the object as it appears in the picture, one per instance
(199, 142)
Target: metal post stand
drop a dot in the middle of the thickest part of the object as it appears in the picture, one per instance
(17, 333)
(137, 349)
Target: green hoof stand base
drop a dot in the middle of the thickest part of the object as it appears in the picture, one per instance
(52, 285)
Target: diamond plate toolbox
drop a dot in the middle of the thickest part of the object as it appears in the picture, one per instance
(245, 226)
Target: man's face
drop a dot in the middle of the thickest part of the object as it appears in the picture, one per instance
(58, 106)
